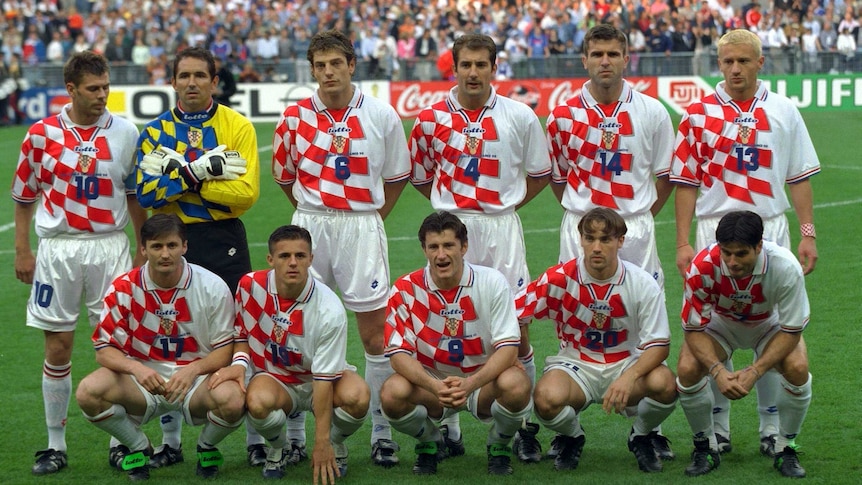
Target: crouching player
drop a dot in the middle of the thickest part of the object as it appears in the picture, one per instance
(294, 330)
(452, 338)
(614, 337)
(165, 327)
(743, 293)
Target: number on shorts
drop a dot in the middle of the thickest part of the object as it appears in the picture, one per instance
(86, 187)
(456, 350)
(43, 294)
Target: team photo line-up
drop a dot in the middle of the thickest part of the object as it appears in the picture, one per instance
(185, 331)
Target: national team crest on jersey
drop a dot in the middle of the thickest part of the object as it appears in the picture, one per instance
(741, 300)
(167, 325)
(283, 325)
(84, 162)
(453, 325)
(195, 137)
(478, 133)
(340, 136)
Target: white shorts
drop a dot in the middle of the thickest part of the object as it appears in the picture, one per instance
(300, 394)
(350, 253)
(158, 405)
(639, 246)
(497, 241)
(69, 268)
(733, 335)
(593, 379)
(471, 406)
(775, 229)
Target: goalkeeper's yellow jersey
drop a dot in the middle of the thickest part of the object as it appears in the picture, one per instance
(192, 134)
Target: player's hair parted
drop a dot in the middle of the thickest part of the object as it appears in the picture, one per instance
(743, 227)
(741, 36)
(615, 225)
(195, 53)
(474, 42)
(606, 32)
(160, 225)
(441, 221)
(333, 40)
(81, 63)
(288, 233)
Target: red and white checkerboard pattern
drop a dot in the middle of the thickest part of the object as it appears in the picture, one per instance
(482, 316)
(82, 181)
(199, 307)
(486, 173)
(339, 159)
(773, 295)
(637, 319)
(296, 341)
(742, 158)
(620, 176)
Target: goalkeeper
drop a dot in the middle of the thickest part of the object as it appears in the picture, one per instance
(199, 161)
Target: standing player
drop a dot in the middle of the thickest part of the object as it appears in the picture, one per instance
(611, 147)
(76, 173)
(481, 156)
(200, 162)
(341, 159)
(739, 146)
(452, 338)
(743, 293)
(295, 330)
(614, 338)
(166, 326)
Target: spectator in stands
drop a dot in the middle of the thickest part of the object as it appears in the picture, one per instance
(846, 47)
(637, 45)
(504, 69)
(140, 52)
(55, 54)
(753, 15)
(426, 53)
(406, 52)
(810, 51)
(829, 45)
(249, 74)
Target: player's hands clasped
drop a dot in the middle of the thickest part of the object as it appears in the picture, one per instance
(218, 164)
(161, 161)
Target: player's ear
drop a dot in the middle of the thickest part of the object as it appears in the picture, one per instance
(269, 260)
(185, 247)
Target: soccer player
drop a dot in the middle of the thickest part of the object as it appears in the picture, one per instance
(165, 327)
(452, 337)
(76, 173)
(614, 338)
(341, 158)
(735, 150)
(611, 147)
(481, 156)
(293, 328)
(199, 161)
(743, 292)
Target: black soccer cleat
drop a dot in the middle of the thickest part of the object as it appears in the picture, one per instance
(661, 444)
(724, 445)
(426, 458)
(256, 454)
(525, 446)
(645, 454)
(569, 455)
(165, 455)
(383, 453)
(499, 459)
(451, 448)
(297, 453)
(209, 460)
(767, 446)
(137, 463)
(49, 461)
(787, 463)
(703, 459)
(116, 455)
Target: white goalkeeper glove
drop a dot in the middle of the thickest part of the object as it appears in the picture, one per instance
(217, 164)
(161, 161)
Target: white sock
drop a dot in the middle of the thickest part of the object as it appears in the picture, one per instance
(566, 423)
(272, 427)
(696, 402)
(252, 437)
(56, 392)
(650, 415)
(768, 389)
(506, 423)
(529, 363)
(377, 370)
(295, 427)
(721, 406)
(417, 424)
(793, 402)
(116, 423)
(215, 430)
(343, 425)
(172, 428)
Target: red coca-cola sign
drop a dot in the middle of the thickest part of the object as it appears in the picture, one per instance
(543, 95)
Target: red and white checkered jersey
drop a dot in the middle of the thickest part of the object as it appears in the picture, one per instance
(478, 160)
(451, 332)
(608, 156)
(339, 159)
(81, 173)
(774, 294)
(166, 328)
(740, 156)
(296, 341)
(600, 322)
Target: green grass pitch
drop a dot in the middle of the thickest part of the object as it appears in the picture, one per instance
(831, 435)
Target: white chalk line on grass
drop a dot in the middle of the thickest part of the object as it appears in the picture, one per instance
(825, 205)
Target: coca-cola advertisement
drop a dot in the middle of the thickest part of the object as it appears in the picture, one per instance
(543, 95)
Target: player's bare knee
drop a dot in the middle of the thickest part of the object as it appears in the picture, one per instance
(513, 387)
(547, 402)
(795, 370)
(259, 405)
